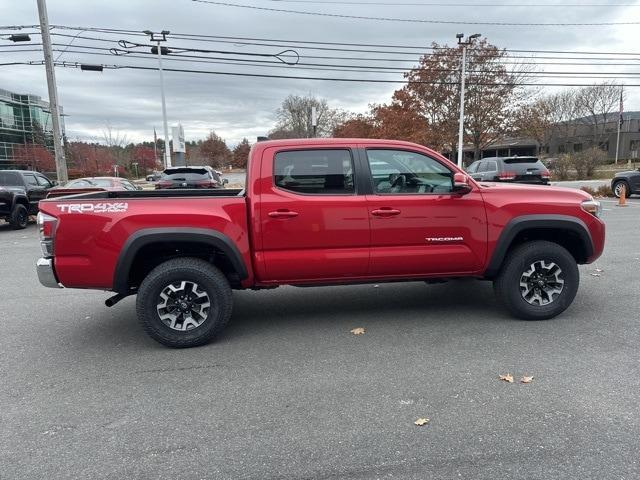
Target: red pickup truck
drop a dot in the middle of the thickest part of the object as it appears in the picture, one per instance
(319, 212)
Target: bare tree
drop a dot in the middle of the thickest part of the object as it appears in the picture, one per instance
(595, 104)
(294, 117)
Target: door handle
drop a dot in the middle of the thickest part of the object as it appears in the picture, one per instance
(283, 214)
(386, 212)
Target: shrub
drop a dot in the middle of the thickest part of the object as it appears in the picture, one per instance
(586, 162)
(600, 192)
(560, 167)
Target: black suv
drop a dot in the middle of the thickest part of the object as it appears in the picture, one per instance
(629, 180)
(190, 177)
(509, 169)
(20, 192)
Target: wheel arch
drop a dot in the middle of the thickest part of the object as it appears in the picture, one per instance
(147, 248)
(569, 232)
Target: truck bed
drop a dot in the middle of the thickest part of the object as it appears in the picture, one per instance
(139, 194)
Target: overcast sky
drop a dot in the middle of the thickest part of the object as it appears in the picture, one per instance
(236, 107)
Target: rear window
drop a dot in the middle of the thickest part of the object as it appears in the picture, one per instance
(10, 179)
(101, 182)
(185, 174)
(512, 161)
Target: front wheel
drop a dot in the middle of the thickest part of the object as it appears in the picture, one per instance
(184, 302)
(19, 217)
(538, 280)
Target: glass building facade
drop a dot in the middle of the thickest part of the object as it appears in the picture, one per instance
(24, 119)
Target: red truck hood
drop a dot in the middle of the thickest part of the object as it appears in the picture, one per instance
(534, 190)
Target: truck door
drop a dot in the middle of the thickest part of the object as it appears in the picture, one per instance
(418, 226)
(313, 223)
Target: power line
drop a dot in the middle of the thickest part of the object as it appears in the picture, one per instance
(415, 20)
(452, 4)
(291, 42)
(295, 77)
(337, 67)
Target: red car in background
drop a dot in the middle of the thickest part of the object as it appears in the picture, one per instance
(92, 184)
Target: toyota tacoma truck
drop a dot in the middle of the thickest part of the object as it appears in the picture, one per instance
(319, 212)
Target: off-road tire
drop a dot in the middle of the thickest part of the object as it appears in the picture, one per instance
(19, 217)
(520, 260)
(208, 278)
(626, 188)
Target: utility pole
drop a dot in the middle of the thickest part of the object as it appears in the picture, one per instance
(463, 74)
(158, 38)
(314, 121)
(61, 163)
(620, 121)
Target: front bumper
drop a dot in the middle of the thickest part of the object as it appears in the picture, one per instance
(46, 274)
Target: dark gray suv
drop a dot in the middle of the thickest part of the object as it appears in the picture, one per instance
(509, 169)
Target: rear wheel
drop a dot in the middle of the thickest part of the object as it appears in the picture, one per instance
(617, 189)
(19, 217)
(184, 302)
(539, 280)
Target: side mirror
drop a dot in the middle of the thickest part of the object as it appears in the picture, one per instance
(461, 184)
(225, 181)
(55, 183)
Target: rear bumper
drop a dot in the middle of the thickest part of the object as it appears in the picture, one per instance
(46, 273)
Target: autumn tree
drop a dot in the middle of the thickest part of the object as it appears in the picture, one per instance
(34, 157)
(214, 151)
(294, 118)
(492, 94)
(145, 158)
(536, 120)
(241, 154)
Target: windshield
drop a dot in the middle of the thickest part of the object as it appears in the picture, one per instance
(10, 179)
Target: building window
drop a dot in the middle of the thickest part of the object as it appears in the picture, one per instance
(634, 147)
(577, 147)
(562, 149)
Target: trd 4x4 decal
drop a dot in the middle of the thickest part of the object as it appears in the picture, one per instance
(107, 207)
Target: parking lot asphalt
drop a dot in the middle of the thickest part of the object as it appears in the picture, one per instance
(287, 392)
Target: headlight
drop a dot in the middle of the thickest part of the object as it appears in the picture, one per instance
(593, 207)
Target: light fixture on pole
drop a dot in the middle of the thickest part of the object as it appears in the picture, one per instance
(158, 38)
(463, 72)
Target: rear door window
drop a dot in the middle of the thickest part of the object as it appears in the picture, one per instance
(10, 179)
(316, 172)
(30, 180)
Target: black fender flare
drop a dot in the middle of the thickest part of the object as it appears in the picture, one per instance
(148, 236)
(526, 222)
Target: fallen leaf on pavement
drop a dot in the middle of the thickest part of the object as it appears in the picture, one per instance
(596, 275)
(526, 379)
(599, 270)
(358, 331)
(507, 378)
(421, 421)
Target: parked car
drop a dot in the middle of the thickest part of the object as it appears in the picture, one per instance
(510, 169)
(153, 177)
(92, 184)
(190, 177)
(319, 212)
(629, 180)
(20, 192)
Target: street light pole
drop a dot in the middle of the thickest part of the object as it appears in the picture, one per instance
(463, 75)
(61, 163)
(158, 38)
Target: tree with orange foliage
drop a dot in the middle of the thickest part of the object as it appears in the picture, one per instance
(34, 157)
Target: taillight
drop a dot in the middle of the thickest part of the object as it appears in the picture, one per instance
(47, 229)
(507, 176)
(545, 174)
(206, 183)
